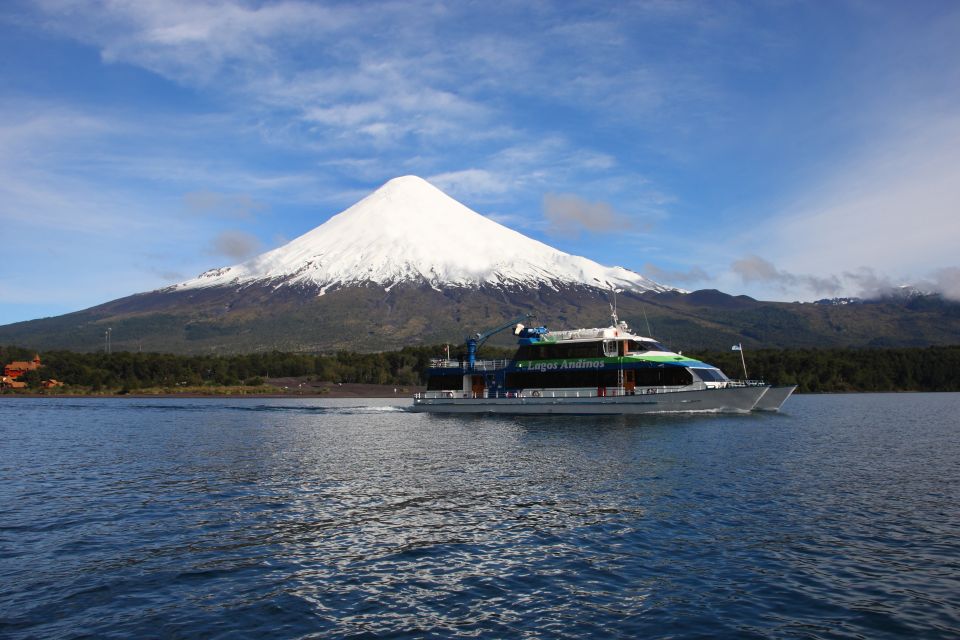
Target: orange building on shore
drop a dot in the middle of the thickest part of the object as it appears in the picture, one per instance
(6, 382)
(19, 367)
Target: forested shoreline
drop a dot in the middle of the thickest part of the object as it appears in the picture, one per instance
(813, 370)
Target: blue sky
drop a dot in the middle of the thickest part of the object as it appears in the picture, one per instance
(785, 150)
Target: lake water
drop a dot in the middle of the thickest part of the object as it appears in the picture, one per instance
(254, 518)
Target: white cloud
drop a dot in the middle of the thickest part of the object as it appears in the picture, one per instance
(224, 205)
(235, 244)
(863, 282)
(693, 275)
(754, 269)
(568, 215)
(947, 282)
(190, 41)
(378, 73)
(871, 284)
(895, 207)
(324, 66)
(472, 183)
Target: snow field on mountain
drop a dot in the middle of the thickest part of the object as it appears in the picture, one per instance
(410, 231)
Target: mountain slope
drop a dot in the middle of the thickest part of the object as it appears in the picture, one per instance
(367, 318)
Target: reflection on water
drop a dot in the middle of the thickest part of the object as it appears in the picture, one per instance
(242, 518)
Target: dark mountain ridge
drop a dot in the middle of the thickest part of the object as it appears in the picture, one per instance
(257, 317)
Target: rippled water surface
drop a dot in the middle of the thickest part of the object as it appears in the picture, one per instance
(304, 518)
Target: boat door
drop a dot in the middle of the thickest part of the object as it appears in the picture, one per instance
(478, 386)
(610, 348)
(629, 381)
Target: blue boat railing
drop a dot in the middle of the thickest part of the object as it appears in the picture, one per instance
(479, 365)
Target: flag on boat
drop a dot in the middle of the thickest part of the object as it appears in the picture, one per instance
(736, 347)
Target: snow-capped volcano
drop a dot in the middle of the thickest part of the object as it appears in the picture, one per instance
(410, 231)
(449, 273)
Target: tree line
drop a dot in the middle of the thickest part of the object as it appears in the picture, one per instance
(837, 370)
(132, 371)
(813, 370)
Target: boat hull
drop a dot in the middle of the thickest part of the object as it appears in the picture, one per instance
(774, 398)
(728, 400)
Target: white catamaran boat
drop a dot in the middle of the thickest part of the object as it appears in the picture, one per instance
(607, 370)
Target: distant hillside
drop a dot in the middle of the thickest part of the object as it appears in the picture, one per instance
(366, 318)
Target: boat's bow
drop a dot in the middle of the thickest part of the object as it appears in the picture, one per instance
(774, 398)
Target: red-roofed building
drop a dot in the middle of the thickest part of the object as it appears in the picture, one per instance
(19, 367)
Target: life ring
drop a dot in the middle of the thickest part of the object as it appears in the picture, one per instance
(535, 394)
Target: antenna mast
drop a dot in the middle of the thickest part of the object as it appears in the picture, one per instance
(645, 319)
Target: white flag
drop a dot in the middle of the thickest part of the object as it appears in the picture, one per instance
(736, 347)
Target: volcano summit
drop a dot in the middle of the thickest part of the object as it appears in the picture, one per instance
(406, 265)
(408, 231)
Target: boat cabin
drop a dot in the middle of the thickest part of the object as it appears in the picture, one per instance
(606, 361)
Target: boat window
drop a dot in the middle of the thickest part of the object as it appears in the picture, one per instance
(561, 379)
(711, 375)
(670, 376)
(663, 377)
(450, 382)
(555, 351)
(641, 346)
(526, 352)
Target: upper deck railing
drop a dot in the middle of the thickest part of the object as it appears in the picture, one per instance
(746, 383)
(462, 365)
